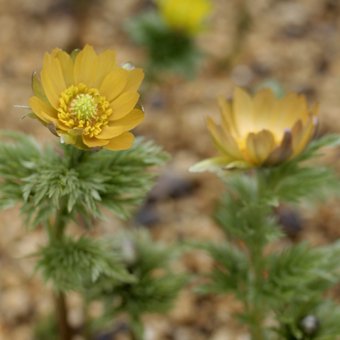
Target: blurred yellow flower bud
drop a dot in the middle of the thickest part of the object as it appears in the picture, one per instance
(185, 15)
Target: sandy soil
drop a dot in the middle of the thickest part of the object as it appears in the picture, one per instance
(295, 43)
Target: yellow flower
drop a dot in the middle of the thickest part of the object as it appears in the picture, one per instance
(87, 99)
(260, 131)
(185, 15)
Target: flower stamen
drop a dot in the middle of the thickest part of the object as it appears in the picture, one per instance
(83, 106)
(83, 109)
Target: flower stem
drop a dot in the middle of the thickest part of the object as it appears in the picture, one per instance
(57, 233)
(137, 331)
(256, 308)
(65, 330)
(256, 305)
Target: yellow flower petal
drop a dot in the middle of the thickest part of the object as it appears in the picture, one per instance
(123, 105)
(122, 125)
(66, 64)
(297, 132)
(282, 152)
(106, 64)
(122, 142)
(306, 135)
(94, 142)
(216, 136)
(134, 80)
(113, 84)
(228, 121)
(85, 66)
(43, 110)
(264, 110)
(289, 109)
(52, 79)
(243, 112)
(224, 142)
(259, 146)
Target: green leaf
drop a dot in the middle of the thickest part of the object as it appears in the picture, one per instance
(155, 286)
(45, 180)
(245, 213)
(296, 179)
(292, 269)
(69, 263)
(330, 140)
(230, 271)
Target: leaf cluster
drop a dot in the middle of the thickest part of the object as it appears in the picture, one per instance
(244, 214)
(293, 286)
(168, 50)
(230, 271)
(313, 321)
(301, 271)
(73, 182)
(69, 263)
(297, 280)
(299, 178)
(154, 287)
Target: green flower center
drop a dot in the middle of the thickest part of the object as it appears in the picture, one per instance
(83, 109)
(83, 106)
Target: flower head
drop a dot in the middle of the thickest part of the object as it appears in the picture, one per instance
(87, 99)
(260, 131)
(184, 15)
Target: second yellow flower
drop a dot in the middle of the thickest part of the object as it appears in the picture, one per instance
(260, 131)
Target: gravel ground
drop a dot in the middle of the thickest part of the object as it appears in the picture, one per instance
(293, 42)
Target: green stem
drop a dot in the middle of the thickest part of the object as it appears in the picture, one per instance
(137, 329)
(60, 225)
(75, 156)
(256, 310)
(65, 330)
(57, 233)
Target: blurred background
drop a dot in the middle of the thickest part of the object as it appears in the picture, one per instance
(286, 44)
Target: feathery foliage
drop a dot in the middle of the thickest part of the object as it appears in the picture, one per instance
(298, 277)
(297, 179)
(47, 181)
(154, 287)
(243, 212)
(69, 263)
(231, 268)
(315, 265)
(315, 320)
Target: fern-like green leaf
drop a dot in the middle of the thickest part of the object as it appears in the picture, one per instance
(69, 263)
(45, 181)
(155, 286)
